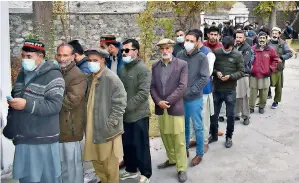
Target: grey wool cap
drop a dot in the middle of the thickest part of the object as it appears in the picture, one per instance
(97, 51)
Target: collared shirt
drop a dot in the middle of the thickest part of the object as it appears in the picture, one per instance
(114, 63)
(165, 73)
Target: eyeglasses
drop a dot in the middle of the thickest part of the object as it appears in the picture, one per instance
(127, 50)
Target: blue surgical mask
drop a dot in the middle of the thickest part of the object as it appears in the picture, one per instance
(127, 59)
(94, 67)
(28, 64)
(180, 39)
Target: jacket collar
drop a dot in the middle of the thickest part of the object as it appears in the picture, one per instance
(85, 59)
(131, 64)
(65, 70)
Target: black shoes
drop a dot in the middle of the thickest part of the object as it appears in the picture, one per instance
(221, 119)
(237, 118)
(182, 176)
(213, 139)
(261, 110)
(269, 97)
(251, 110)
(228, 142)
(246, 121)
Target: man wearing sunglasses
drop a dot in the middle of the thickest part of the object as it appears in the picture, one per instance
(136, 78)
(114, 61)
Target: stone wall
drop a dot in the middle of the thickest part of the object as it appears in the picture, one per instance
(85, 27)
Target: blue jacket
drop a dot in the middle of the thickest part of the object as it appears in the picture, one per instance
(208, 88)
(83, 66)
(119, 60)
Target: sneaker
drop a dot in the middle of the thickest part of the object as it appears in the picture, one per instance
(182, 176)
(90, 176)
(128, 175)
(269, 97)
(228, 142)
(6, 173)
(251, 111)
(144, 179)
(221, 119)
(213, 139)
(274, 105)
(261, 110)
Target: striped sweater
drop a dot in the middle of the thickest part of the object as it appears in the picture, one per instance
(38, 123)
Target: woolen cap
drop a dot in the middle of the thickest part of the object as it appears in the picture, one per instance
(33, 45)
(165, 41)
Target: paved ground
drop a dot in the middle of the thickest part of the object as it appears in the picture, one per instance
(266, 151)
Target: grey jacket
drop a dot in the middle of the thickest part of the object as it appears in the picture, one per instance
(109, 107)
(136, 77)
(198, 73)
(38, 123)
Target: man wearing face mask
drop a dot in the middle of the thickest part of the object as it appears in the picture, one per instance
(179, 46)
(104, 125)
(80, 59)
(264, 64)
(208, 105)
(198, 78)
(33, 117)
(242, 90)
(71, 116)
(114, 61)
(228, 68)
(136, 77)
(213, 43)
(169, 106)
(284, 53)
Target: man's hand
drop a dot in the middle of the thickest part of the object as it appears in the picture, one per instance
(164, 104)
(17, 103)
(225, 78)
(219, 75)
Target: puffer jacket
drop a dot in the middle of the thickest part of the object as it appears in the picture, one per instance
(265, 61)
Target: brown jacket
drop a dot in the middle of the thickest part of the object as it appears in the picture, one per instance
(72, 111)
(176, 84)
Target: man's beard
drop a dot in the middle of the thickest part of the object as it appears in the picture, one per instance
(213, 41)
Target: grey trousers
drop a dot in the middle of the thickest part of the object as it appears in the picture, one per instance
(242, 107)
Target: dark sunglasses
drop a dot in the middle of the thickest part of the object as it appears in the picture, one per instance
(127, 50)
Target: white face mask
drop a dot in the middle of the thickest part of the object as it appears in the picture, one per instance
(166, 56)
(180, 39)
(28, 64)
(127, 59)
(189, 46)
(94, 67)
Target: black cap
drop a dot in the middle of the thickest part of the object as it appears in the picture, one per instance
(262, 34)
(228, 41)
(77, 46)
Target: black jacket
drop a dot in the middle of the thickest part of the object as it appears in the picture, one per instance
(248, 56)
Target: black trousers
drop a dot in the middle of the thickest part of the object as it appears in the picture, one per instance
(136, 147)
(229, 97)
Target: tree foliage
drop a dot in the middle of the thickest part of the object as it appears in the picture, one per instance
(183, 13)
(264, 8)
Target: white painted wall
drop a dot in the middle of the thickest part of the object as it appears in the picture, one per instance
(5, 80)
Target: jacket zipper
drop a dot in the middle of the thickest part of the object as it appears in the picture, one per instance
(72, 123)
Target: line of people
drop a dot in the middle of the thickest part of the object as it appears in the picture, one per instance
(102, 95)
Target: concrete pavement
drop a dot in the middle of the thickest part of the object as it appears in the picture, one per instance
(266, 151)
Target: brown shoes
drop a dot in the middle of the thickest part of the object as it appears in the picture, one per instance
(192, 144)
(220, 133)
(166, 164)
(187, 153)
(122, 164)
(196, 160)
(206, 148)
